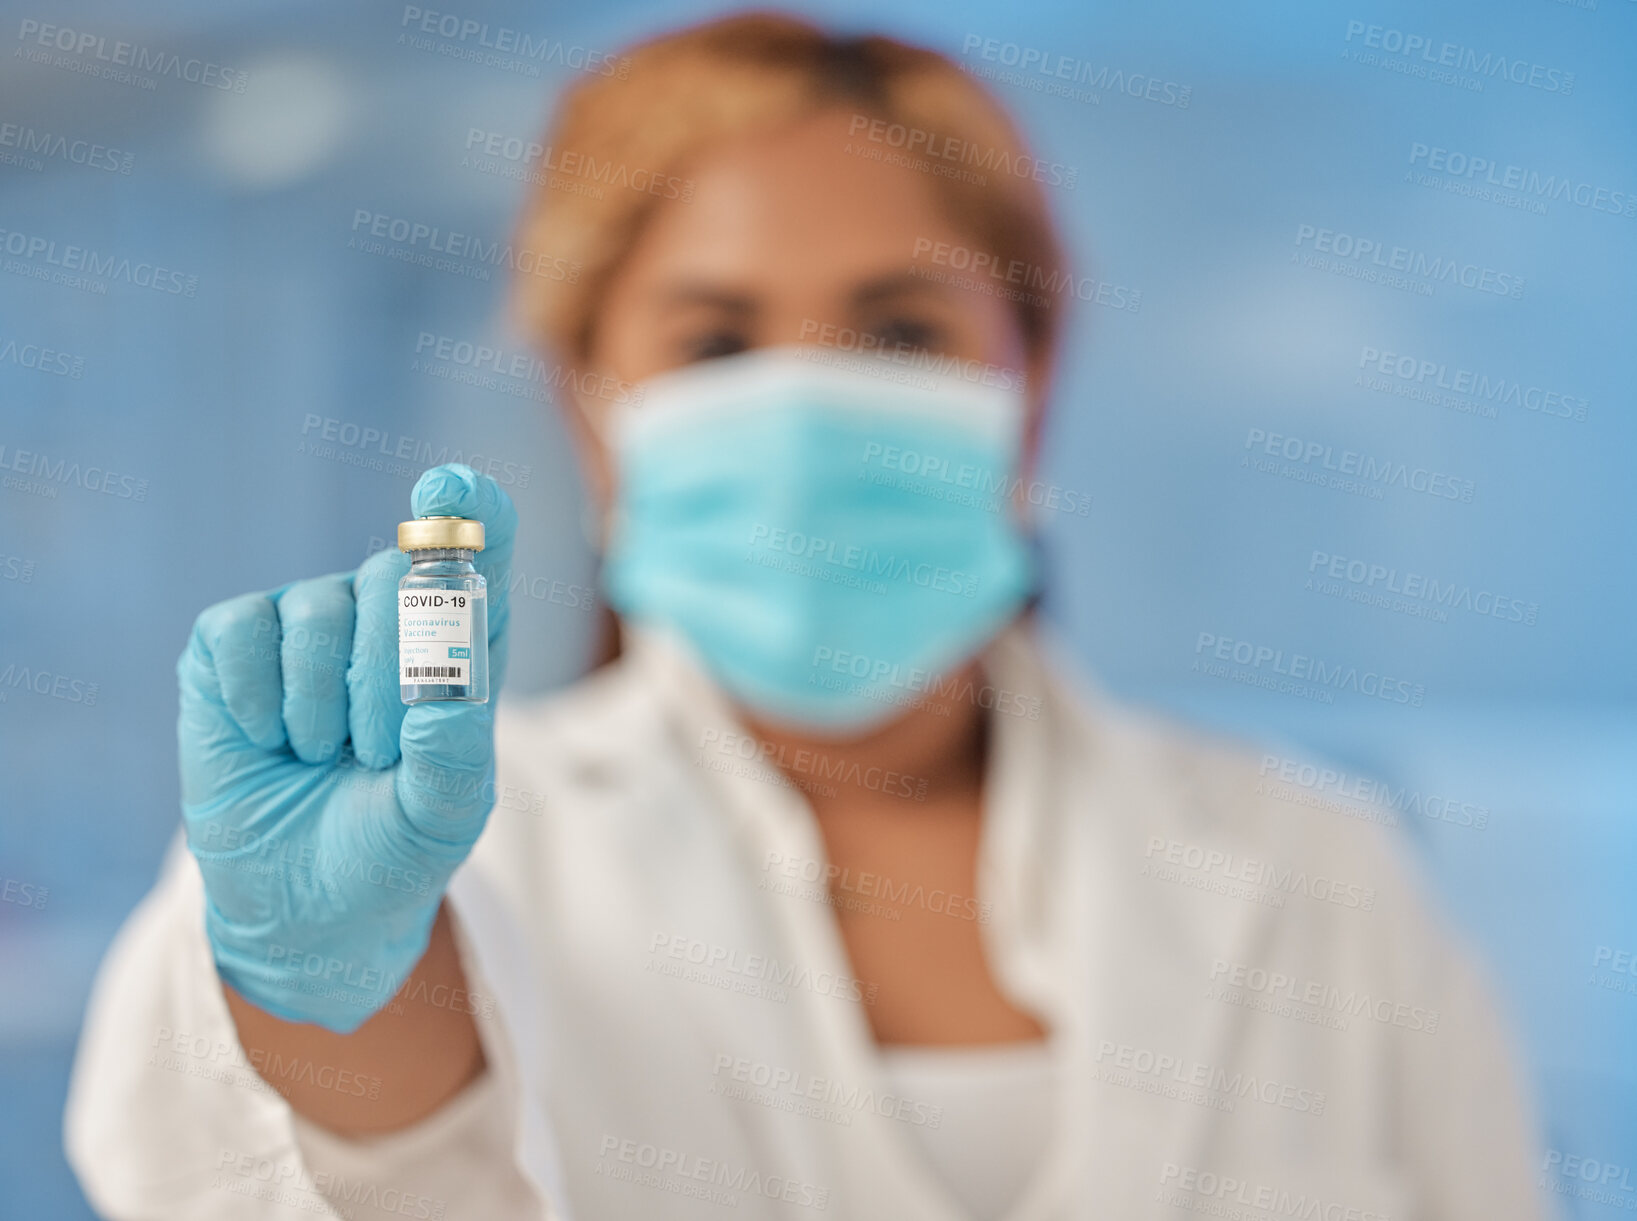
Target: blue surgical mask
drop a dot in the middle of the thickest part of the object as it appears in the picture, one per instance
(828, 539)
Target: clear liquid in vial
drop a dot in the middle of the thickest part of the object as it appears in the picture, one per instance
(443, 629)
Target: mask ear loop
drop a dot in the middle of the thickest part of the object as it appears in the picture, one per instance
(1037, 568)
(594, 528)
(1027, 523)
(596, 525)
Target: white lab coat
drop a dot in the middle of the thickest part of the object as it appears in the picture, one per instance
(1128, 874)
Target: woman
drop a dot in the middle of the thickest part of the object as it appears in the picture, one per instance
(831, 892)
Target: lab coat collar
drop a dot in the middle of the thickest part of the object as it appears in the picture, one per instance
(1130, 949)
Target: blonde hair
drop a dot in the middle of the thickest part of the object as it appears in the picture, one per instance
(682, 92)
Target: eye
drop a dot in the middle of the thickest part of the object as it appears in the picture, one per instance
(712, 344)
(905, 331)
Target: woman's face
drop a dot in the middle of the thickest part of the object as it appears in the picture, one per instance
(788, 235)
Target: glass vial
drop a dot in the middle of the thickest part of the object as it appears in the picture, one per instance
(443, 619)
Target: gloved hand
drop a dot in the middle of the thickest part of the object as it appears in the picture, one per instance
(326, 815)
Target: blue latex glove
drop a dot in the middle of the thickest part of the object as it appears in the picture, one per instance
(325, 814)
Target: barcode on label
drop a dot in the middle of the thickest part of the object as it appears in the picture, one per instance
(435, 672)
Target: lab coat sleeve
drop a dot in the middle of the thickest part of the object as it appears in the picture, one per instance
(168, 1118)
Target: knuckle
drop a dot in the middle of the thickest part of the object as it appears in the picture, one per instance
(317, 618)
(383, 569)
(505, 513)
(242, 615)
(232, 631)
(496, 503)
(320, 600)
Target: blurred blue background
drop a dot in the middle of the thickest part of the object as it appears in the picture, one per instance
(224, 413)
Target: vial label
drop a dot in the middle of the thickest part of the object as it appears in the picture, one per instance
(435, 635)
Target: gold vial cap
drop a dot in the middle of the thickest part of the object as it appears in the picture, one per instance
(425, 533)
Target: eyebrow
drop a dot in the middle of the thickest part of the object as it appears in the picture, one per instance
(871, 292)
(688, 293)
(895, 284)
